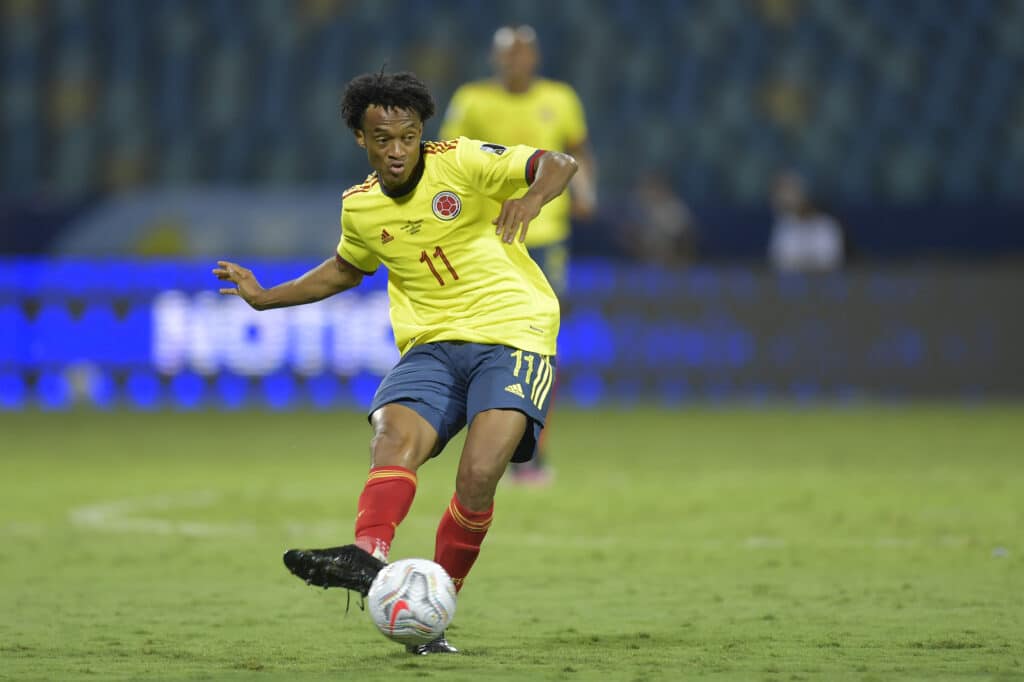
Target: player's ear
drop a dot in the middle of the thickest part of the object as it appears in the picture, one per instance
(360, 138)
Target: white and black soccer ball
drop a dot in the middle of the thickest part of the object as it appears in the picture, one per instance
(412, 601)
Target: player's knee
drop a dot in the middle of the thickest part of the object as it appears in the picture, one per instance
(393, 446)
(386, 441)
(400, 438)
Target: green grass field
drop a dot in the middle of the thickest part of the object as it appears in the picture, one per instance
(786, 544)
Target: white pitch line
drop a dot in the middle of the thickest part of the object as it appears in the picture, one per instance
(759, 542)
(127, 516)
(753, 543)
(25, 528)
(130, 515)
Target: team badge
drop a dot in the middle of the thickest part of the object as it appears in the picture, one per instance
(447, 205)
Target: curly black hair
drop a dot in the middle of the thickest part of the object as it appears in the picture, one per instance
(402, 90)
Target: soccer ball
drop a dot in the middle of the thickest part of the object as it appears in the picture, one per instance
(412, 601)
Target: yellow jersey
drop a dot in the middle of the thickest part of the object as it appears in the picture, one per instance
(450, 277)
(548, 115)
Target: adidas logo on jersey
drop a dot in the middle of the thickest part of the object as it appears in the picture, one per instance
(515, 389)
(385, 237)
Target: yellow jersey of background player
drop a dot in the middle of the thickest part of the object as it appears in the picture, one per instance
(517, 107)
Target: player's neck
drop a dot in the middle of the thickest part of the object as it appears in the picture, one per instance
(407, 186)
(517, 86)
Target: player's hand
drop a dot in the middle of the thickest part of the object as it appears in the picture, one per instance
(583, 206)
(248, 288)
(515, 216)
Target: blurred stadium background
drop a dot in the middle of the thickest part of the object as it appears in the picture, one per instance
(750, 429)
(141, 141)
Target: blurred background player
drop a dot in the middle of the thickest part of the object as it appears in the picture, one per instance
(517, 106)
(804, 237)
(656, 225)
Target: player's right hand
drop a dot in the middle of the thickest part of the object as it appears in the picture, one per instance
(515, 217)
(247, 286)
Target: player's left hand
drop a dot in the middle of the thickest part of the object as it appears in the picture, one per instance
(583, 206)
(248, 287)
(515, 216)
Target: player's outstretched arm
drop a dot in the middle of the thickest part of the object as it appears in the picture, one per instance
(330, 277)
(554, 170)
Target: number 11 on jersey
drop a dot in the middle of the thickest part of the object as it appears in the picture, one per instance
(438, 253)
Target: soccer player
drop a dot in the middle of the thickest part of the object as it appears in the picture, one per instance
(473, 316)
(518, 107)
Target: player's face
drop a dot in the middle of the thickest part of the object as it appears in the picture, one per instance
(789, 195)
(391, 138)
(516, 62)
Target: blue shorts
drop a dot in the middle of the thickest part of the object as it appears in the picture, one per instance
(449, 382)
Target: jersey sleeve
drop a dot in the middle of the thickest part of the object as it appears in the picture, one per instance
(456, 117)
(575, 120)
(495, 170)
(352, 249)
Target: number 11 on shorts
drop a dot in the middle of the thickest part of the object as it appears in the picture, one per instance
(542, 381)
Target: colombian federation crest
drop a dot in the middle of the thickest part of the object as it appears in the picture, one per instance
(447, 205)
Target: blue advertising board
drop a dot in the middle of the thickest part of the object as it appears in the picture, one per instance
(154, 334)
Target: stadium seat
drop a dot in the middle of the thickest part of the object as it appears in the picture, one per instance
(233, 391)
(189, 391)
(144, 390)
(280, 391)
(53, 391)
(14, 335)
(190, 93)
(13, 392)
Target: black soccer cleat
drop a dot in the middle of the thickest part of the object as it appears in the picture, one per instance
(438, 646)
(348, 566)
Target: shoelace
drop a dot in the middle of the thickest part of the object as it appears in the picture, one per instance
(348, 601)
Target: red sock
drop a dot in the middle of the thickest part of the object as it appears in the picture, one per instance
(459, 536)
(383, 504)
